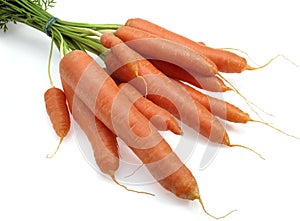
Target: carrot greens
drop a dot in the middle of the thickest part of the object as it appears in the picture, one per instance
(66, 35)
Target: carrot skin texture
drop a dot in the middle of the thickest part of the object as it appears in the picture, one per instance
(226, 61)
(155, 47)
(55, 101)
(103, 141)
(158, 116)
(213, 83)
(166, 94)
(99, 92)
(218, 107)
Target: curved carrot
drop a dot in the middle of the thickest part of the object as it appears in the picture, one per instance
(158, 116)
(213, 83)
(165, 93)
(55, 101)
(226, 61)
(155, 47)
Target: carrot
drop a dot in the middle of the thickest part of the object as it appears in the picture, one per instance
(165, 93)
(158, 116)
(55, 101)
(155, 47)
(213, 83)
(218, 107)
(103, 141)
(225, 61)
(101, 95)
(226, 110)
(56, 107)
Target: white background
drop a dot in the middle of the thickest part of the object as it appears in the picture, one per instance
(67, 188)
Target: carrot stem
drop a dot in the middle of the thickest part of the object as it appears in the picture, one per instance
(49, 63)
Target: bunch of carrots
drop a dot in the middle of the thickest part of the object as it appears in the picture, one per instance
(153, 78)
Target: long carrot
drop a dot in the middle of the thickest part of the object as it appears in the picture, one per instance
(103, 141)
(101, 95)
(165, 93)
(158, 116)
(55, 101)
(213, 83)
(226, 61)
(155, 47)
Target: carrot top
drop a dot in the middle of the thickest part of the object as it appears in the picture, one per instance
(66, 35)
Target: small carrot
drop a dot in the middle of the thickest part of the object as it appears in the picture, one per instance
(57, 110)
(155, 47)
(214, 83)
(56, 107)
(165, 93)
(101, 95)
(158, 116)
(226, 61)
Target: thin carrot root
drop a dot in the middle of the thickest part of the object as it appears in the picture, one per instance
(133, 172)
(57, 148)
(130, 190)
(221, 217)
(275, 128)
(247, 148)
(145, 82)
(249, 103)
(270, 61)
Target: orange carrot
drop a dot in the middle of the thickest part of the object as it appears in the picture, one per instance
(101, 95)
(226, 110)
(164, 92)
(155, 47)
(218, 107)
(213, 83)
(158, 116)
(103, 141)
(226, 61)
(57, 110)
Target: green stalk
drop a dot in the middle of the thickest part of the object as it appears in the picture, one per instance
(66, 35)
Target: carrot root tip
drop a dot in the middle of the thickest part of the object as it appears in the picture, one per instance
(275, 128)
(130, 190)
(135, 170)
(270, 61)
(48, 156)
(247, 148)
(220, 217)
